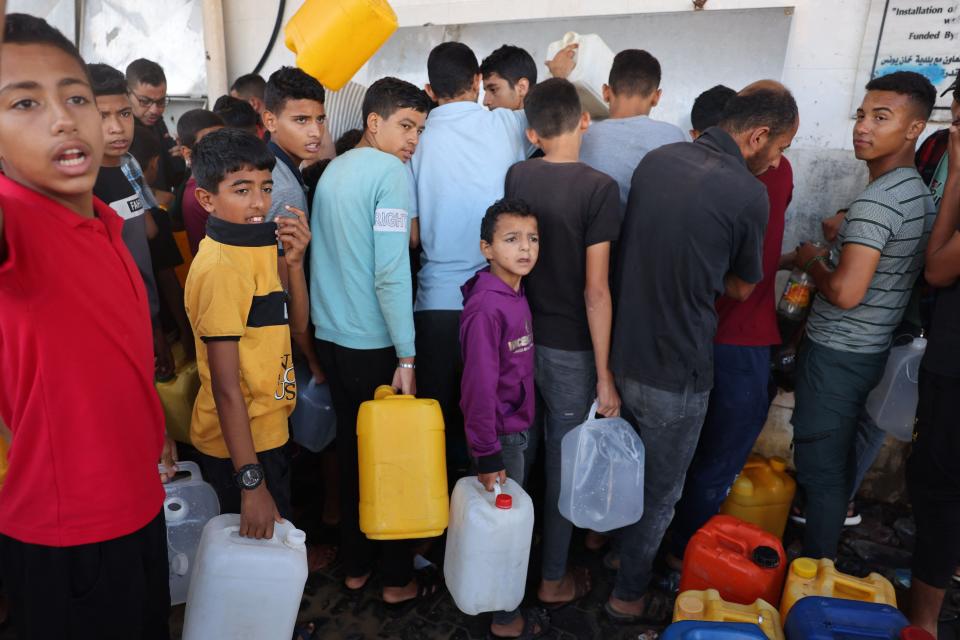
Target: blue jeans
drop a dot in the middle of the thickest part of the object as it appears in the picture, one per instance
(737, 411)
(566, 381)
(669, 425)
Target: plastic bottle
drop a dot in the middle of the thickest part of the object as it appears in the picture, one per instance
(189, 505)
(403, 469)
(708, 606)
(693, 630)
(808, 577)
(601, 474)
(594, 60)
(488, 546)
(762, 494)
(313, 423)
(245, 588)
(818, 618)
(797, 295)
(333, 39)
(741, 561)
(177, 397)
(893, 403)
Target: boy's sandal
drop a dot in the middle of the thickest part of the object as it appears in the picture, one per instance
(581, 587)
(360, 589)
(656, 610)
(429, 584)
(533, 618)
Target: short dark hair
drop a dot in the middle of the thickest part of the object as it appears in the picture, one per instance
(227, 150)
(451, 68)
(290, 83)
(510, 63)
(708, 107)
(553, 107)
(250, 85)
(21, 28)
(107, 81)
(146, 145)
(236, 112)
(193, 122)
(503, 207)
(760, 107)
(634, 73)
(908, 83)
(386, 96)
(143, 71)
(348, 141)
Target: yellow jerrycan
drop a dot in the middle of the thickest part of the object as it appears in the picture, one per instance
(178, 395)
(762, 494)
(403, 467)
(334, 38)
(707, 606)
(808, 577)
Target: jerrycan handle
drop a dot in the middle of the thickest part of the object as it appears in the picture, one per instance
(386, 392)
(569, 38)
(853, 587)
(592, 412)
(183, 467)
(734, 543)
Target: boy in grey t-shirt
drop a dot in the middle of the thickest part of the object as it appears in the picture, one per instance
(617, 145)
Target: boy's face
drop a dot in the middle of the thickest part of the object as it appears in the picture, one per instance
(297, 128)
(498, 94)
(399, 134)
(116, 120)
(515, 246)
(242, 197)
(149, 102)
(886, 123)
(50, 133)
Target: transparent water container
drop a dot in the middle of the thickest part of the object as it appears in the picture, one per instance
(313, 423)
(601, 474)
(893, 403)
(189, 505)
(594, 60)
(245, 588)
(488, 546)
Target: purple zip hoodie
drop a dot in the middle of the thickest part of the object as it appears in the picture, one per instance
(496, 341)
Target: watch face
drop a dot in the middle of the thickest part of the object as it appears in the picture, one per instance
(251, 478)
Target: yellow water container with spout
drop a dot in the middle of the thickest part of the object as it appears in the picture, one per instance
(403, 468)
(177, 396)
(707, 606)
(334, 38)
(762, 494)
(808, 577)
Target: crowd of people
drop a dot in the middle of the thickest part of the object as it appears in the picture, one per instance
(511, 259)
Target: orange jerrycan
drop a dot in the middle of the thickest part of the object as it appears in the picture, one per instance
(709, 607)
(334, 38)
(808, 577)
(762, 494)
(178, 395)
(403, 467)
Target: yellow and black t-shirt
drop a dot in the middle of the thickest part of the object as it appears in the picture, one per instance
(233, 292)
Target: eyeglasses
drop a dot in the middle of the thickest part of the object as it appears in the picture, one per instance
(146, 102)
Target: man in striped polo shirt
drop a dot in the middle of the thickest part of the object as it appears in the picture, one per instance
(860, 301)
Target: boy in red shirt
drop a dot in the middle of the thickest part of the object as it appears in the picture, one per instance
(82, 536)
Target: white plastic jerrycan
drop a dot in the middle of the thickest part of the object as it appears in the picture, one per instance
(488, 546)
(594, 60)
(601, 474)
(189, 505)
(893, 403)
(244, 588)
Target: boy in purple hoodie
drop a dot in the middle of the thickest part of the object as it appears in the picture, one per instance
(496, 391)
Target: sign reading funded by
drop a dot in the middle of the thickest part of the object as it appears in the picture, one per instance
(912, 35)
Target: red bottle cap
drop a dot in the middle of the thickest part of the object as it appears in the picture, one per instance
(504, 501)
(915, 633)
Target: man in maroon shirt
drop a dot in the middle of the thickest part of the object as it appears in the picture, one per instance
(745, 332)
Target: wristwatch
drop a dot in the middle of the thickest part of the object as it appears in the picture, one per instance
(249, 477)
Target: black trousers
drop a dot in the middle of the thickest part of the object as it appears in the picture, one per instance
(112, 590)
(220, 474)
(354, 374)
(439, 368)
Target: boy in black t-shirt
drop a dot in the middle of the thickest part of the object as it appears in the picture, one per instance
(115, 188)
(579, 212)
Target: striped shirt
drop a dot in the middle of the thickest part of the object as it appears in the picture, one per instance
(344, 109)
(893, 215)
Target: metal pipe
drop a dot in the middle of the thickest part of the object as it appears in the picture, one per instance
(214, 44)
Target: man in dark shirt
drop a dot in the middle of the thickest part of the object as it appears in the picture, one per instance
(693, 230)
(148, 92)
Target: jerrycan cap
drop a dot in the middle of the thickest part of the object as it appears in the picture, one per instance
(804, 568)
(778, 464)
(504, 501)
(766, 557)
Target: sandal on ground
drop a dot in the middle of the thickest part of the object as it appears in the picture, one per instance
(305, 631)
(656, 610)
(429, 584)
(581, 587)
(851, 519)
(532, 618)
(356, 590)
